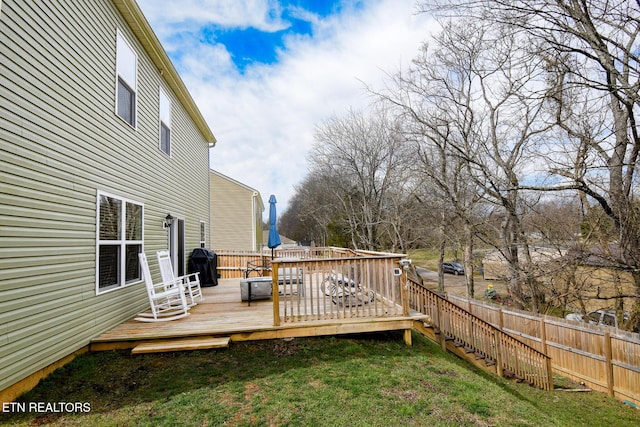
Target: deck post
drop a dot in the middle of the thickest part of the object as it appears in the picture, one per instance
(407, 337)
(275, 294)
(404, 294)
(442, 338)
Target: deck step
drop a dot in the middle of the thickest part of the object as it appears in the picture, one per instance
(181, 344)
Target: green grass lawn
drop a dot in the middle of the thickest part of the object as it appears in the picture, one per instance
(427, 258)
(364, 380)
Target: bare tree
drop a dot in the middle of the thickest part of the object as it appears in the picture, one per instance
(590, 51)
(310, 211)
(468, 100)
(404, 226)
(363, 155)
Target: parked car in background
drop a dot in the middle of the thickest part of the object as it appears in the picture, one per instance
(452, 268)
(597, 317)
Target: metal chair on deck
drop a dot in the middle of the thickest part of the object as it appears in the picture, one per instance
(344, 290)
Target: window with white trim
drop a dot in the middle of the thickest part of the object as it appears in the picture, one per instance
(165, 123)
(203, 234)
(126, 80)
(119, 241)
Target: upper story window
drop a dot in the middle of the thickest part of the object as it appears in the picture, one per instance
(119, 241)
(126, 80)
(165, 123)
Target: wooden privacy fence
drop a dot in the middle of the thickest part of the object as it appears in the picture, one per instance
(337, 288)
(233, 264)
(488, 342)
(602, 357)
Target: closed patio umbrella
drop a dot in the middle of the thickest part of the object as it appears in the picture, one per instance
(274, 237)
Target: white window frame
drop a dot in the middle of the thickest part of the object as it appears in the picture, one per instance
(121, 242)
(164, 118)
(203, 234)
(127, 71)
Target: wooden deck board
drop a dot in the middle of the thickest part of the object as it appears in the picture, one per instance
(222, 313)
(180, 344)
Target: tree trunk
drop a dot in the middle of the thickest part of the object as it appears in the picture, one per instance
(633, 324)
(468, 260)
(443, 245)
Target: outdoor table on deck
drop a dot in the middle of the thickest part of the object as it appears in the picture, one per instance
(262, 289)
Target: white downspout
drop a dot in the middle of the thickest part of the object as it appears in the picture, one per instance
(254, 222)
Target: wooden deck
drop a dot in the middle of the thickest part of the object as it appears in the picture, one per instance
(308, 312)
(223, 314)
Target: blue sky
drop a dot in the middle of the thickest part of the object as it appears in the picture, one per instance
(253, 46)
(264, 73)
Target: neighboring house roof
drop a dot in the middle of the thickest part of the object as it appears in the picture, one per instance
(140, 26)
(538, 254)
(596, 256)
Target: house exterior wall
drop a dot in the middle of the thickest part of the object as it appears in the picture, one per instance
(236, 214)
(61, 143)
(599, 287)
(258, 209)
(496, 267)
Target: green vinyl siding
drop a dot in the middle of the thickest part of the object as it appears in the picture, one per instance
(236, 218)
(61, 143)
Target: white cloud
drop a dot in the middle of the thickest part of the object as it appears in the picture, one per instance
(169, 16)
(264, 119)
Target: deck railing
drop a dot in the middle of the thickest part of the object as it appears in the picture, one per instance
(233, 264)
(486, 341)
(337, 288)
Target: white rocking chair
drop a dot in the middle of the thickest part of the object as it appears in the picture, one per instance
(191, 282)
(167, 299)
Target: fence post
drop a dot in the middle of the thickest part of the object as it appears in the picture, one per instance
(496, 335)
(543, 335)
(543, 340)
(609, 366)
(549, 374)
